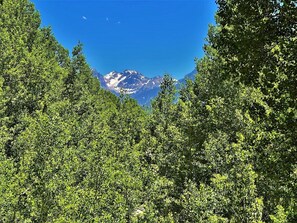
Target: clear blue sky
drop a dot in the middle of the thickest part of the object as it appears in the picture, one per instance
(150, 36)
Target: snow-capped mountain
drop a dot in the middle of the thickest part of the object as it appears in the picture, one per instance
(141, 88)
(129, 81)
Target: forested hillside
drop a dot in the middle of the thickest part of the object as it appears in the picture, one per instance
(224, 151)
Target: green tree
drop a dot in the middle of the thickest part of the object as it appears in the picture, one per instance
(243, 96)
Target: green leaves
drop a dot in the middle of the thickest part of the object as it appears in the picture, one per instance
(225, 151)
(280, 215)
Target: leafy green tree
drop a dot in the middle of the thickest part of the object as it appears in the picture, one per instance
(242, 96)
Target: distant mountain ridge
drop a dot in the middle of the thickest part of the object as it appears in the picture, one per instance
(141, 88)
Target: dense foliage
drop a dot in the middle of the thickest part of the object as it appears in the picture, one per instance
(224, 150)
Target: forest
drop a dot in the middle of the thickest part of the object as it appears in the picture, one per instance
(222, 149)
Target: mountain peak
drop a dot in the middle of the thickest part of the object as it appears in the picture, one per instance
(131, 72)
(111, 74)
(128, 81)
(134, 83)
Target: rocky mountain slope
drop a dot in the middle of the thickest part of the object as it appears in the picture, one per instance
(141, 88)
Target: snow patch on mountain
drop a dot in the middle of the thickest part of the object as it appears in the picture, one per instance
(113, 79)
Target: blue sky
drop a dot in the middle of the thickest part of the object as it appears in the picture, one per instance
(150, 36)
